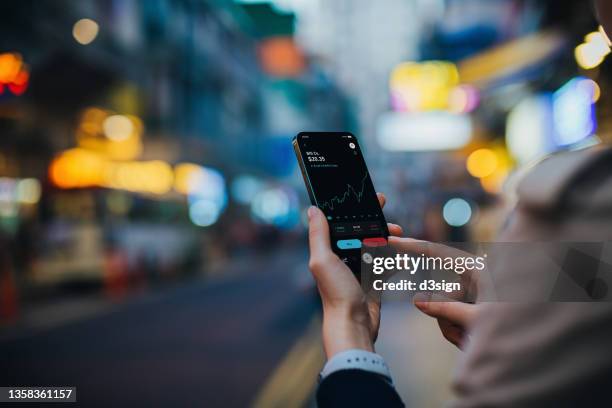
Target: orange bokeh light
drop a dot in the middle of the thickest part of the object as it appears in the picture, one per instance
(281, 57)
(76, 168)
(14, 73)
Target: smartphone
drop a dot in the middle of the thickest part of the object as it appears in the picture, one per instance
(339, 183)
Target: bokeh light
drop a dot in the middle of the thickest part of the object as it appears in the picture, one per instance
(573, 111)
(118, 127)
(593, 51)
(206, 183)
(14, 73)
(244, 188)
(77, 168)
(204, 213)
(457, 212)
(281, 57)
(85, 31)
(28, 191)
(423, 86)
(596, 91)
(494, 182)
(463, 99)
(529, 128)
(117, 137)
(482, 163)
(184, 176)
(274, 206)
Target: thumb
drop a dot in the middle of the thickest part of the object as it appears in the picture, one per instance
(318, 235)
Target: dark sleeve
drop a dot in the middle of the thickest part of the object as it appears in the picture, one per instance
(357, 388)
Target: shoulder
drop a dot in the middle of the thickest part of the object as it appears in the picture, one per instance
(576, 178)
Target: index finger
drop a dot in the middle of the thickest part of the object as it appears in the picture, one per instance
(426, 248)
(469, 278)
(318, 234)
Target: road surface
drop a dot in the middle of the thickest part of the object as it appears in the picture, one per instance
(205, 343)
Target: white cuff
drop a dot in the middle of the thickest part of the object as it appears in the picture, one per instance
(356, 359)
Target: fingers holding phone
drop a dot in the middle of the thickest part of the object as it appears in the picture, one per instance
(394, 229)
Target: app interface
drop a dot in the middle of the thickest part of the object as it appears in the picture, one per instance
(343, 189)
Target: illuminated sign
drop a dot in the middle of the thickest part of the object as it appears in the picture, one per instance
(529, 129)
(430, 86)
(574, 111)
(429, 131)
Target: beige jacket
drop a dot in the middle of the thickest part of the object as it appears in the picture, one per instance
(547, 354)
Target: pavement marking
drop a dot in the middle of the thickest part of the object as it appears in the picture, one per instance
(295, 378)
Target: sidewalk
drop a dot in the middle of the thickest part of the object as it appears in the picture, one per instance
(420, 359)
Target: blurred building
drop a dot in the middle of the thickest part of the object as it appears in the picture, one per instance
(209, 95)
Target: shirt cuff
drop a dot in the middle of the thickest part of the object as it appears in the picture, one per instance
(356, 359)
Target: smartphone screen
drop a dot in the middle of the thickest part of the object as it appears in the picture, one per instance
(339, 183)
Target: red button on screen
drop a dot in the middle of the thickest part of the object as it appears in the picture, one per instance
(374, 242)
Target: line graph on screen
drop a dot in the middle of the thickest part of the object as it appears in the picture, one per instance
(350, 192)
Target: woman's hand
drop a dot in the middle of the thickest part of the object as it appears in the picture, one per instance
(350, 318)
(454, 316)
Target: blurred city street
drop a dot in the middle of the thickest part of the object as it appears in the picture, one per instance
(250, 336)
(214, 341)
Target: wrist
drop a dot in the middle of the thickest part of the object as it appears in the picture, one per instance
(346, 328)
